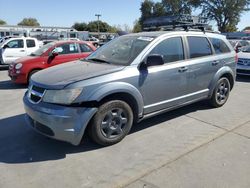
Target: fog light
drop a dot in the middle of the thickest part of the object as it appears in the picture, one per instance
(18, 72)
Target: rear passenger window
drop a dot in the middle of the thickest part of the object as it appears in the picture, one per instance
(85, 48)
(199, 47)
(171, 49)
(30, 43)
(219, 45)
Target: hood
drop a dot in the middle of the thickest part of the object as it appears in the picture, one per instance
(27, 59)
(58, 77)
(243, 55)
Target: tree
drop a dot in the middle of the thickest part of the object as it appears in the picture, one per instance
(225, 12)
(159, 9)
(146, 10)
(104, 27)
(137, 27)
(2, 22)
(177, 7)
(29, 22)
(80, 26)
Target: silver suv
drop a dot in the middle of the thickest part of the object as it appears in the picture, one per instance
(131, 78)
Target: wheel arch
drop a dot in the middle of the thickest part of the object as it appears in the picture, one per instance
(223, 72)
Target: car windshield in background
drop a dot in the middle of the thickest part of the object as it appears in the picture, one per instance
(43, 49)
(121, 51)
(246, 49)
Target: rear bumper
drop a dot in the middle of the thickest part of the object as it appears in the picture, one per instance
(58, 122)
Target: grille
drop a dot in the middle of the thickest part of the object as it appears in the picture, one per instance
(245, 62)
(243, 71)
(35, 93)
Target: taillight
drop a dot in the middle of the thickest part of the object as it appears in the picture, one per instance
(236, 58)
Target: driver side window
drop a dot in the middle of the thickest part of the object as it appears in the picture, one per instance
(171, 49)
(15, 44)
(70, 48)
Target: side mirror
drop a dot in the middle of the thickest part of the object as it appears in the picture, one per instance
(5, 46)
(155, 59)
(53, 54)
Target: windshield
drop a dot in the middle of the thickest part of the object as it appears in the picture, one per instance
(121, 51)
(246, 49)
(43, 49)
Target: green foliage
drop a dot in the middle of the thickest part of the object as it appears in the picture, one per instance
(80, 26)
(225, 12)
(93, 27)
(2, 22)
(137, 27)
(29, 22)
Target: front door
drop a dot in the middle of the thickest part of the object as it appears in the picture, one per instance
(14, 50)
(66, 52)
(164, 86)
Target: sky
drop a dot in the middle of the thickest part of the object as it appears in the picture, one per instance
(67, 12)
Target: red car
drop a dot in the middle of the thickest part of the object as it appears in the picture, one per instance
(49, 55)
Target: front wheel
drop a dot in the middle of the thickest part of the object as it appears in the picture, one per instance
(111, 123)
(221, 93)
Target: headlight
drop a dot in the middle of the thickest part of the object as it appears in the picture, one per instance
(18, 65)
(66, 96)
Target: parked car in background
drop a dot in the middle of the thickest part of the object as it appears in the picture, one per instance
(94, 41)
(131, 78)
(15, 48)
(49, 55)
(243, 65)
(2, 39)
(238, 44)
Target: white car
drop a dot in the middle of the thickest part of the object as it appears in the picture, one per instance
(14, 48)
(243, 65)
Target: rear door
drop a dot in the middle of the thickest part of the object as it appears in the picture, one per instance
(66, 52)
(31, 45)
(85, 50)
(14, 50)
(203, 63)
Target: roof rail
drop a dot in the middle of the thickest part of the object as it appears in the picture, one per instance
(185, 22)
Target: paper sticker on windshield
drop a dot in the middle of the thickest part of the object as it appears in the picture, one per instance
(146, 38)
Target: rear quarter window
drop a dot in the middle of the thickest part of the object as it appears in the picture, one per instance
(219, 45)
(198, 47)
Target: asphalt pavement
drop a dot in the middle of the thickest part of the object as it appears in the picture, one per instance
(194, 146)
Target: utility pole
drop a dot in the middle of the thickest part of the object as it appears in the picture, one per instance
(98, 23)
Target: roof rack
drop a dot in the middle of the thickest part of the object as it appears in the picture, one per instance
(185, 22)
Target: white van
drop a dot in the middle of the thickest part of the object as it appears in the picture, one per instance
(15, 48)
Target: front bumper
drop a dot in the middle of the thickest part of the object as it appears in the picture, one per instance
(243, 70)
(58, 122)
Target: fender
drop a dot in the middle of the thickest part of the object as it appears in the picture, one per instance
(223, 70)
(117, 87)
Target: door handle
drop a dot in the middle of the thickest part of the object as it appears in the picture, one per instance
(22, 50)
(183, 69)
(214, 63)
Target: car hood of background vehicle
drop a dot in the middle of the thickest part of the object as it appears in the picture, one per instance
(27, 59)
(58, 77)
(244, 55)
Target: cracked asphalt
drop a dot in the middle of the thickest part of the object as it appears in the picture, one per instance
(194, 146)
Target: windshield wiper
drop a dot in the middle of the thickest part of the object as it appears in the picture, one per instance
(98, 60)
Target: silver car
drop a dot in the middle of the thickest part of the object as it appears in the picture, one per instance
(131, 78)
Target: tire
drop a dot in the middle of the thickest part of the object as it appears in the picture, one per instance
(30, 74)
(111, 123)
(221, 93)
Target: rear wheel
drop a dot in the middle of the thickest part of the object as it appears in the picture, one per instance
(221, 93)
(111, 123)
